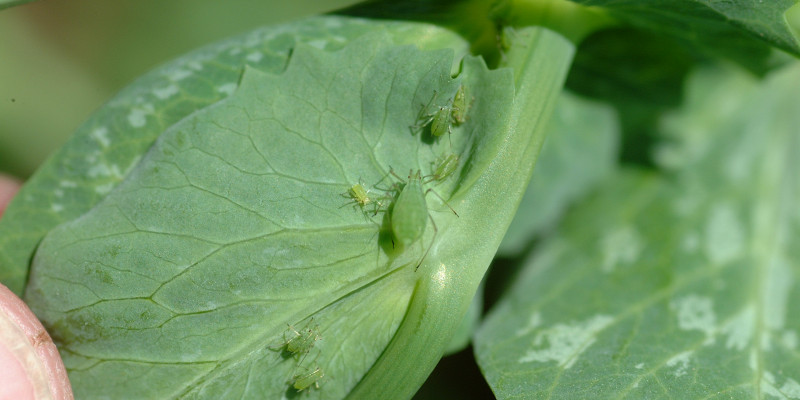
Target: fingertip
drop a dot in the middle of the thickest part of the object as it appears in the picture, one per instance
(31, 365)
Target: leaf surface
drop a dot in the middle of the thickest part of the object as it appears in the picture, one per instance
(727, 28)
(671, 288)
(182, 278)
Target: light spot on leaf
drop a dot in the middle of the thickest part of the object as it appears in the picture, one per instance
(779, 281)
(101, 135)
(639, 366)
(789, 339)
(320, 44)
(695, 313)
(621, 246)
(681, 360)
(791, 389)
(724, 235)
(68, 184)
(740, 329)
(104, 189)
(179, 74)
(255, 56)
(534, 322)
(566, 341)
(138, 116)
(57, 207)
(227, 88)
(165, 93)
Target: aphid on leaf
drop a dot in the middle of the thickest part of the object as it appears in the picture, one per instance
(299, 343)
(445, 165)
(440, 120)
(308, 379)
(461, 105)
(410, 212)
(361, 197)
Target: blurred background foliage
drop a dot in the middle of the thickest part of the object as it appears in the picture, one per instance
(61, 59)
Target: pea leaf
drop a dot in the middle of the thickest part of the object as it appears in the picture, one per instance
(671, 288)
(727, 28)
(181, 277)
(107, 147)
(579, 152)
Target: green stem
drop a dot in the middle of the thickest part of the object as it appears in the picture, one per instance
(540, 60)
(572, 20)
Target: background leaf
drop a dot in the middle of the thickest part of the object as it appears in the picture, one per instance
(662, 288)
(11, 3)
(579, 152)
(730, 29)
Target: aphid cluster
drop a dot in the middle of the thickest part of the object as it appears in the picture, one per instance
(405, 200)
(298, 344)
(442, 118)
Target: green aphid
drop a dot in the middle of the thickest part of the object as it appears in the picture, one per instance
(361, 197)
(441, 120)
(305, 381)
(300, 343)
(410, 215)
(445, 166)
(461, 105)
(410, 211)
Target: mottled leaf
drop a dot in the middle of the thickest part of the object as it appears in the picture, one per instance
(184, 272)
(579, 152)
(106, 148)
(684, 287)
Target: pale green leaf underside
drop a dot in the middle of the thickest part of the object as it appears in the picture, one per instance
(106, 148)
(579, 151)
(686, 288)
(180, 281)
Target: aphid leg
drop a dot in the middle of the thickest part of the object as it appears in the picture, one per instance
(443, 201)
(435, 231)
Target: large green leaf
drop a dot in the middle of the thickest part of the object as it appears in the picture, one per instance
(579, 152)
(177, 269)
(728, 28)
(671, 288)
(106, 148)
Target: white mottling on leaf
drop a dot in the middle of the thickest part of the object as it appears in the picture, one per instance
(195, 65)
(104, 189)
(138, 116)
(681, 360)
(690, 242)
(621, 247)
(57, 207)
(166, 92)
(695, 313)
(740, 329)
(58, 192)
(724, 235)
(639, 366)
(789, 339)
(179, 74)
(533, 322)
(234, 51)
(320, 44)
(227, 88)
(68, 184)
(778, 283)
(104, 170)
(101, 136)
(791, 389)
(563, 343)
(255, 56)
